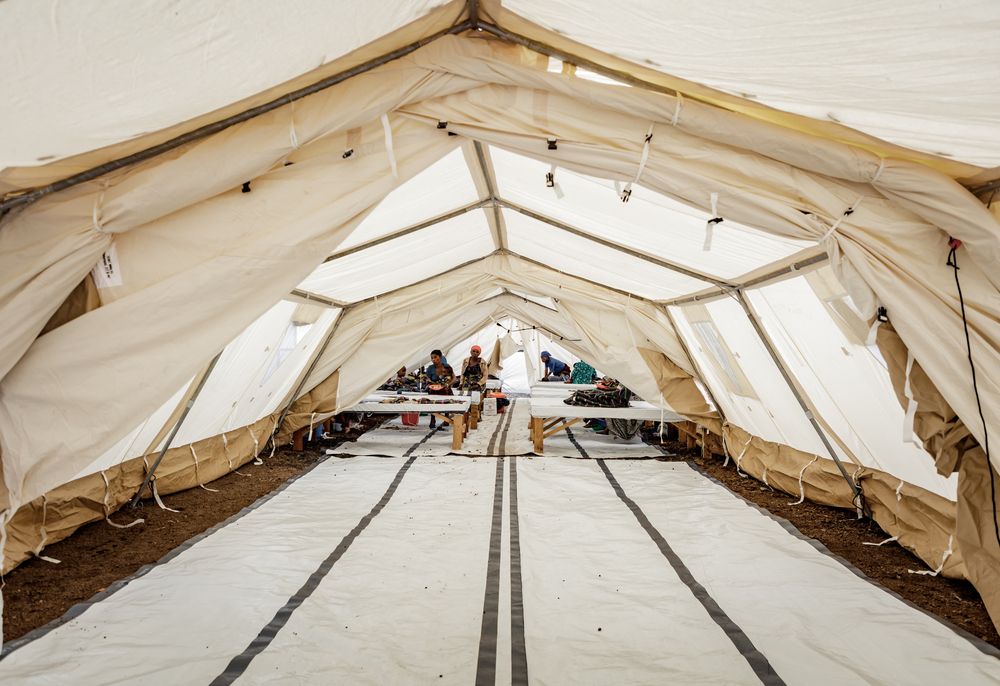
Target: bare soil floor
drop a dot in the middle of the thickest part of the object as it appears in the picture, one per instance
(38, 592)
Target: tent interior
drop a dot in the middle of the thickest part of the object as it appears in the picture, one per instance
(757, 218)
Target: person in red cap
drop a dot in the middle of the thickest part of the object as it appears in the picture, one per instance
(474, 371)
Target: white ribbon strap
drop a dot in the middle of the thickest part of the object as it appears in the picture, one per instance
(738, 459)
(388, 145)
(642, 165)
(256, 449)
(710, 224)
(911, 404)
(873, 332)
(944, 557)
(196, 475)
(677, 112)
(107, 508)
(98, 203)
(888, 540)
(881, 166)
(555, 184)
(802, 490)
(844, 216)
(45, 536)
(311, 418)
(156, 497)
(293, 139)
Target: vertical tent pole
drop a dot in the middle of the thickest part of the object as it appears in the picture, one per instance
(173, 432)
(302, 383)
(694, 364)
(752, 316)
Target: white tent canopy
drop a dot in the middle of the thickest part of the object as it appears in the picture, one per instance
(424, 180)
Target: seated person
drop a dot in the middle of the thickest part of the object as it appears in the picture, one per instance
(401, 380)
(474, 371)
(583, 373)
(441, 375)
(556, 369)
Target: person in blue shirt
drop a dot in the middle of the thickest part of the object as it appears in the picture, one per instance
(554, 367)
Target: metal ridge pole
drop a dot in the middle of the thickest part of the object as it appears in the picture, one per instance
(295, 395)
(173, 432)
(216, 127)
(752, 316)
(752, 282)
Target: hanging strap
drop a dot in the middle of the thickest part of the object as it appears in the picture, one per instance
(388, 145)
(256, 449)
(802, 490)
(677, 111)
(710, 224)
(848, 212)
(627, 193)
(45, 536)
(911, 403)
(196, 475)
(107, 508)
(944, 557)
(292, 138)
(156, 496)
(740, 458)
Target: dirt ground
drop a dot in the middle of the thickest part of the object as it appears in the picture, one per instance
(97, 555)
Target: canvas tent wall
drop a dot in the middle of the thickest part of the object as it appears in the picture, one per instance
(753, 252)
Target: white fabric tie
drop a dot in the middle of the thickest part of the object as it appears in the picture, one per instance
(107, 508)
(45, 536)
(677, 112)
(881, 166)
(197, 476)
(911, 404)
(555, 184)
(256, 449)
(802, 490)
(642, 165)
(710, 224)
(388, 145)
(293, 139)
(740, 458)
(944, 557)
(844, 216)
(156, 497)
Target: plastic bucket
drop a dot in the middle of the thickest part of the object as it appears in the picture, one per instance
(410, 418)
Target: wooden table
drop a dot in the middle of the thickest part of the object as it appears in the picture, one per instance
(459, 406)
(547, 413)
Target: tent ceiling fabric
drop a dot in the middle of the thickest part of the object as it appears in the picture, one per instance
(892, 70)
(413, 195)
(189, 58)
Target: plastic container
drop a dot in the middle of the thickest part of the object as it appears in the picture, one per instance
(410, 418)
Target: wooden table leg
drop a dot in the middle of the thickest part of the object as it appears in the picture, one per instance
(458, 424)
(536, 433)
(297, 442)
(474, 421)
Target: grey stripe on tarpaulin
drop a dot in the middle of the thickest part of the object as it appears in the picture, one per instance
(493, 438)
(980, 644)
(576, 444)
(486, 665)
(239, 664)
(518, 653)
(758, 663)
(78, 609)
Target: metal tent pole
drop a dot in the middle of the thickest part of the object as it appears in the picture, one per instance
(859, 502)
(302, 383)
(694, 364)
(173, 432)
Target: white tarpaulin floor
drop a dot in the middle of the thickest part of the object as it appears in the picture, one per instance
(518, 570)
(502, 435)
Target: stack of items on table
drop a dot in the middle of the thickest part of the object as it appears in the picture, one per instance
(609, 393)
